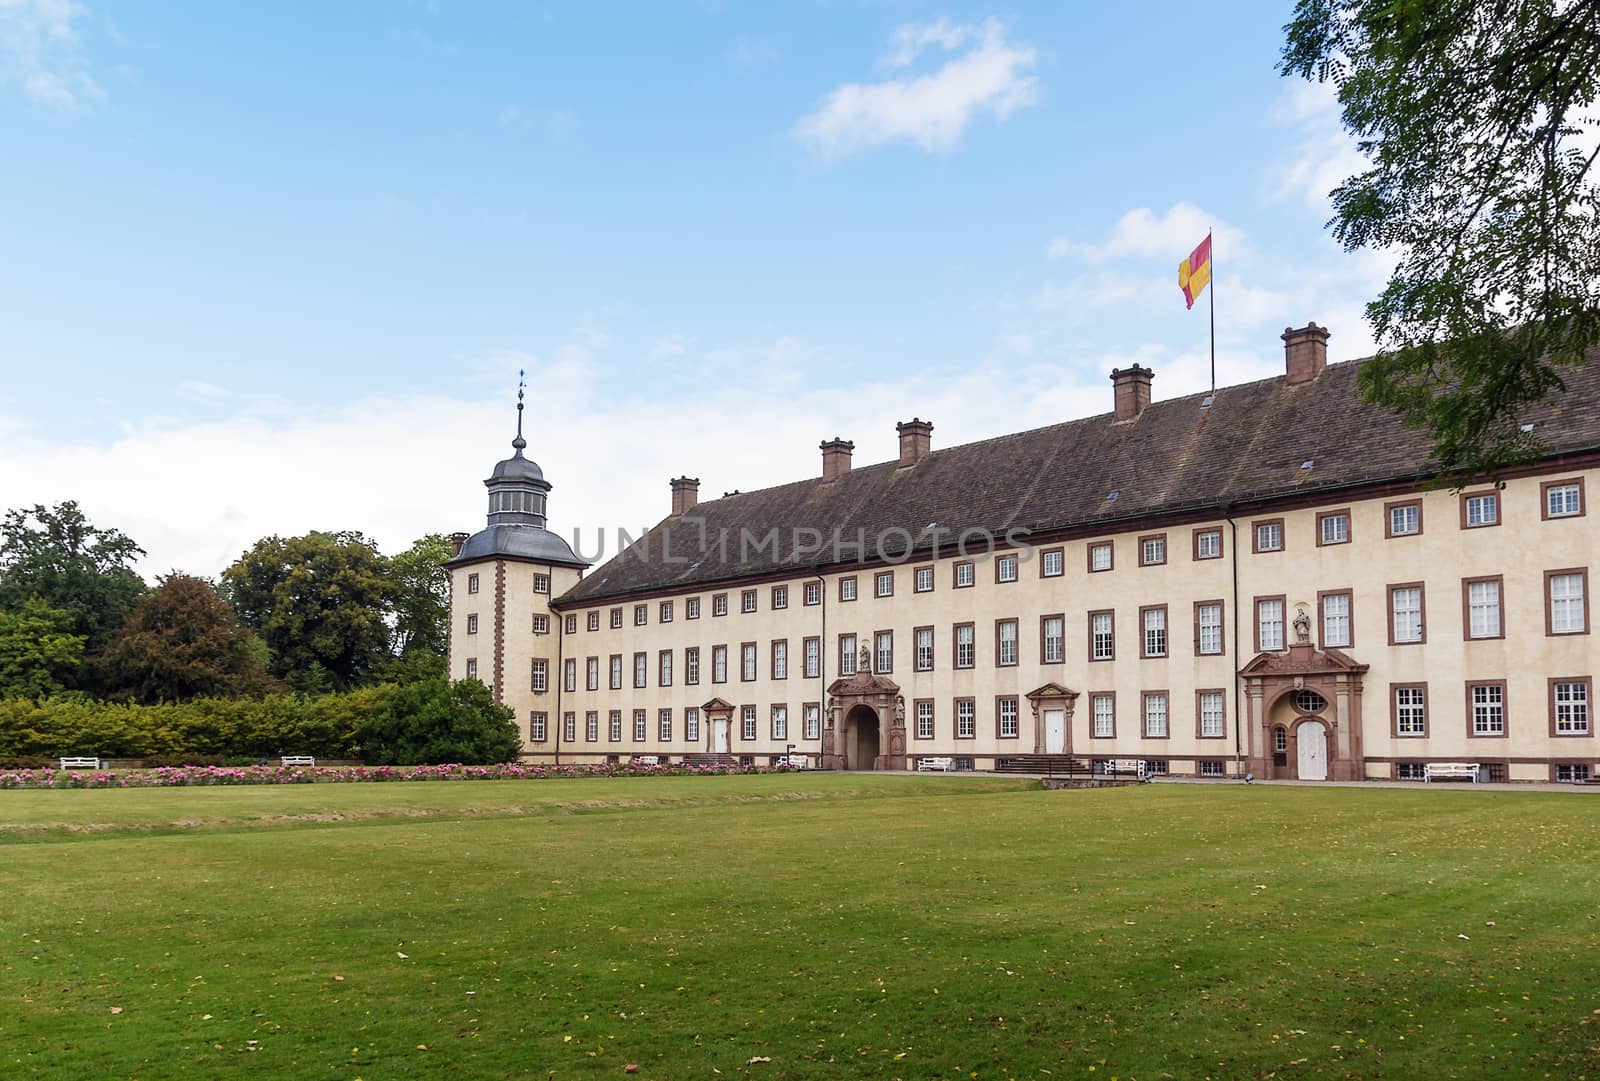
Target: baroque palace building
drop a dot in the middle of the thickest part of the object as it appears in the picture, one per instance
(1256, 580)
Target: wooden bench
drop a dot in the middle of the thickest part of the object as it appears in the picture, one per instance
(81, 762)
(1112, 767)
(645, 760)
(298, 760)
(796, 761)
(940, 764)
(1431, 770)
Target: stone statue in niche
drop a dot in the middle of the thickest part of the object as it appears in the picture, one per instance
(899, 711)
(866, 659)
(1302, 627)
(833, 712)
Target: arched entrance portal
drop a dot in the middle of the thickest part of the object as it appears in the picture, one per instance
(862, 738)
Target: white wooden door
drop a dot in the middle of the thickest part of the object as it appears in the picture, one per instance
(1313, 740)
(1055, 731)
(719, 736)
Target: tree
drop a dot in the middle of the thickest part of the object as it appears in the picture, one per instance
(55, 554)
(421, 607)
(39, 654)
(438, 721)
(321, 603)
(1478, 120)
(182, 641)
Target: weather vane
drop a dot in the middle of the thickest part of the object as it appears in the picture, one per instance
(519, 442)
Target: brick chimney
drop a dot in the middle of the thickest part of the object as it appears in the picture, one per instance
(457, 542)
(685, 494)
(1132, 387)
(836, 458)
(916, 440)
(1305, 352)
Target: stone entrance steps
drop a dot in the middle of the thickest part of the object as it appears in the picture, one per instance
(1062, 765)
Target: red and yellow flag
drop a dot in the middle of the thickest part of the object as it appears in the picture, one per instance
(1194, 273)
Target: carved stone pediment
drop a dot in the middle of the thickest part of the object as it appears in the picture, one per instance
(1050, 690)
(718, 705)
(863, 685)
(1302, 659)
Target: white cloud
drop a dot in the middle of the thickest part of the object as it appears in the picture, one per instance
(933, 109)
(39, 52)
(1323, 155)
(1142, 233)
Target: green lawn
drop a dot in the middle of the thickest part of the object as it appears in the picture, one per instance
(838, 926)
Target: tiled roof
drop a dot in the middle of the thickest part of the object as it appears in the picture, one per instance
(1180, 458)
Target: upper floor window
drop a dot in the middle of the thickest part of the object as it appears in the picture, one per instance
(1405, 615)
(813, 594)
(1155, 715)
(1103, 710)
(1480, 509)
(1569, 703)
(664, 615)
(1566, 602)
(691, 608)
(1006, 643)
(780, 658)
(541, 583)
(922, 581)
(719, 604)
(1212, 723)
(472, 623)
(966, 718)
(616, 671)
(1006, 718)
(847, 589)
(1208, 628)
(883, 643)
(472, 583)
(594, 621)
(847, 654)
(1269, 624)
(747, 601)
(1336, 620)
(641, 615)
(719, 664)
(1488, 704)
(1052, 563)
(747, 662)
(1563, 498)
(1153, 550)
(1208, 544)
(1411, 710)
(780, 597)
(1403, 519)
(813, 654)
(1483, 608)
(1102, 637)
(472, 668)
(925, 719)
(1052, 639)
(591, 674)
(664, 668)
(1005, 568)
(641, 670)
(691, 664)
(1100, 556)
(616, 618)
(1269, 535)
(541, 624)
(571, 624)
(1155, 631)
(924, 640)
(1333, 527)
(964, 575)
(965, 647)
(883, 583)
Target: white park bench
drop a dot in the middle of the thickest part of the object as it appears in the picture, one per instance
(1115, 766)
(796, 761)
(941, 764)
(645, 760)
(1432, 770)
(298, 760)
(81, 762)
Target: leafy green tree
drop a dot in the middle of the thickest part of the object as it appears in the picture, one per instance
(438, 721)
(321, 603)
(1478, 119)
(422, 601)
(39, 654)
(56, 555)
(182, 641)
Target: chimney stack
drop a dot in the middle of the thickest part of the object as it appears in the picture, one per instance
(457, 542)
(685, 494)
(836, 458)
(916, 440)
(1305, 352)
(1132, 388)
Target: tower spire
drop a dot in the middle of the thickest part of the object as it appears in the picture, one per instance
(520, 442)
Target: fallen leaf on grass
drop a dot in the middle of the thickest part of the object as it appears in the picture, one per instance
(757, 1058)
(116, 1009)
(632, 1067)
(337, 978)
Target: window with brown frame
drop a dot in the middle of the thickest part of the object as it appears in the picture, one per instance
(1480, 509)
(1211, 713)
(1103, 635)
(1153, 550)
(1408, 614)
(1007, 717)
(1053, 638)
(1333, 527)
(1566, 601)
(1103, 715)
(1486, 709)
(1209, 638)
(1570, 702)
(1482, 614)
(1153, 630)
(1207, 543)
(1562, 499)
(1336, 618)
(1408, 710)
(1102, 556)
(1402, 518)
(1052, 562)
(964, 648)
(962, 574)
(847, 588)
(1267, 535)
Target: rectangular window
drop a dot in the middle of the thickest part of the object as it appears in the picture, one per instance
(719, 664)
(1212, 767)
(472, 623)
(1569, 706)
(538, 727)
(1269, 624)
(847, 654)
(641, 726)
(719, 604)
(591, 726)
(847, 589)
(1487, 703)
(664, 668)
(691, 725)
(1567, 605)
(813, 722)
(780, 722)
(747, 601)
(1005, 637)
(813, 594)
(664, 725)
(747, 724)
(1482, 600)
(664, 615)
(1268, 535)
(925, 719)
(883, 650)
(691, 608)
(1479, 509)
(591, 674)
(964, 574)
(780, 658)
(593, 623)
(1208, 544)
(965, 645)
(472, 668)
(541, 675)
(1154, 621)
(569, 727)
(1155, 715)
(747, 662)
(1153, 550)
(691, 665)
(1006, 718)
(472, 583)
(1336, 627)
(922, 580)
(569, 674)
(966, 718)
(883, 583)
(1103, 709)
(1052, 563)
(571, 624)
(1005, 568)
(1403, 519)
(616, 618)
(1333, 527)
(541, 583)
(924, 649)
(1562, 498)
(641, 615)
(1213, 724)
(1410, 710)
(641, 670)
(780, 597)
(813, 649)
(616, 671)
(1572, 772)
(1102, 636)
(1053, 639)
(541, 624)
(1100, 556)
(1406, 625)
(1208, 629)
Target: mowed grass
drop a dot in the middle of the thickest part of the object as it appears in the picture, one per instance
(798, 927)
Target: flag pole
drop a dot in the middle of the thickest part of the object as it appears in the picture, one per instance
(1213, 292)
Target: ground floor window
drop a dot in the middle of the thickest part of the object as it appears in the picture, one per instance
(1409, 771)
(1211, 767)
(691, 725)
(1155, 767)
(1577, 772)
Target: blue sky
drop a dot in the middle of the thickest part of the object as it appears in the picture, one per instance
(253, 253)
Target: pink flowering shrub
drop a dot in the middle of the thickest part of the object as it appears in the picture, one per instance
(181, 776)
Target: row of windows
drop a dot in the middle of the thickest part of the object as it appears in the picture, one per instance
(1568, 704)
(778, 725)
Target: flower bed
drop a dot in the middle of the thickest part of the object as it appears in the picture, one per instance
(181, 776)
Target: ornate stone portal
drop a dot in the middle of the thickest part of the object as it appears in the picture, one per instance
(847, 699)
(1283, 691)
(1049, 697)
